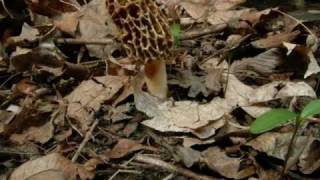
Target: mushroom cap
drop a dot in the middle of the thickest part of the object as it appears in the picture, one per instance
(143, 28)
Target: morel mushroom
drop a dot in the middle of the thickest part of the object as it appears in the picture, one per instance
(145, 35)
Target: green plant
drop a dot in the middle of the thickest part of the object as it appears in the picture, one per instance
(278, 117)
(176, 33)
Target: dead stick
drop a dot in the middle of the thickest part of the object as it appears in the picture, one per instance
(84, 41)
(85, 140)
(208, 30)
(170, 167)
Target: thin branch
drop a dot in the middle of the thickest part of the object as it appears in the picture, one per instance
(170, 167)
(85, 140)
(84, 41)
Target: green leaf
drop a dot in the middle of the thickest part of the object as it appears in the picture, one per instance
(176, 33)
(271, 120)
(311, 109)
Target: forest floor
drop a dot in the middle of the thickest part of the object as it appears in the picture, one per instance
(72, 105)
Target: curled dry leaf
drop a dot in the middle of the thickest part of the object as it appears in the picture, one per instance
(305, 53)
(52, 166)
(89, 96)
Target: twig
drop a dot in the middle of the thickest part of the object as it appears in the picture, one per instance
(290, 148)
(85, 140)
(124, 171)
(6, 9)
(170, 167)
(299, 22)
(169, 177)
(84, 41)
(203, 32)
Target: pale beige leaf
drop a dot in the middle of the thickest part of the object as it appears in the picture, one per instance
(52, 166)
(183, 116)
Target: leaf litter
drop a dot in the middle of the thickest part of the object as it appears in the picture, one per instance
(73, 104)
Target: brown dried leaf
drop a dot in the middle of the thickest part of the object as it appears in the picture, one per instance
(96, 23)
(188, 155)
(25, 87)
(200, 9)
(239, 94)
(309, 161)
(52, 166)
(183, 116)
(301, 53)
(224, 17)
(123, 148)
(41, 134)
(218, 161)
(53, 8)
(67, 22)
(258, 67)
(274, 41)
(24, 59)
(89, 95)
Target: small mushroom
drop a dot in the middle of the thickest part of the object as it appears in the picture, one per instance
(146, 37)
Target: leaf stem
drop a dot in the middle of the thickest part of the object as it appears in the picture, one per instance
(290, 146)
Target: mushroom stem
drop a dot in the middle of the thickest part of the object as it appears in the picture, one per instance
(156, 77)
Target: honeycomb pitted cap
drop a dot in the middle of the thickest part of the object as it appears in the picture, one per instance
(144, 29)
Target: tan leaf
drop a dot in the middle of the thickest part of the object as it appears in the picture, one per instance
(52, 166)
(89, 95)
(96, 23)
(123, 148)
(218, 161)
(275, 40)
(183, 116)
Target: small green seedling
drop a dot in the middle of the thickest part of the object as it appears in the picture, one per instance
(176, 33)
(278, 117)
